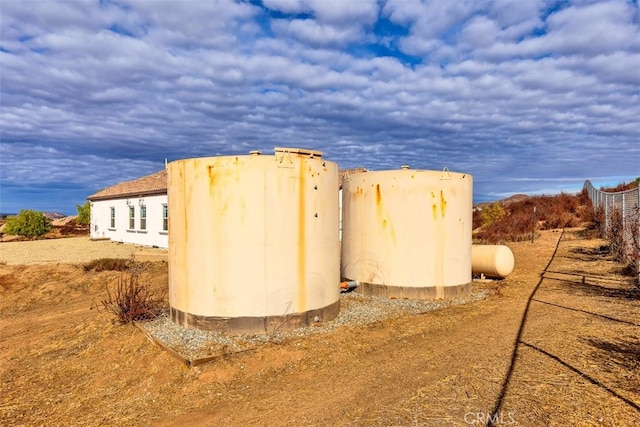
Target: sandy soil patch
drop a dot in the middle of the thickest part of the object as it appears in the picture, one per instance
(73, 250)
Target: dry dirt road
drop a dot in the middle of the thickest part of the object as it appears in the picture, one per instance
(557, 343)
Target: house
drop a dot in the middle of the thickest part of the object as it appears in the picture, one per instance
(137, 211)
(132, 212)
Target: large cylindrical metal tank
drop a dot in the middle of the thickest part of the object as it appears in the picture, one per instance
(407, 233)
(492, 260)
(253, 241)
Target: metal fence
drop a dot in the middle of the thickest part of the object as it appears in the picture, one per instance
(627, 203)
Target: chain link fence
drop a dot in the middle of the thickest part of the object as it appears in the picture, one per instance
(622, 206)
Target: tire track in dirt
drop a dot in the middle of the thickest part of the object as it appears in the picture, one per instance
(495, 414)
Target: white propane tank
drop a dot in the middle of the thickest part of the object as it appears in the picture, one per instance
(492, 260)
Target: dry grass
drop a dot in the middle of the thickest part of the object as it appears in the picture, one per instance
(131, 300)
(519, 220)
(65, 364)
(109, 264)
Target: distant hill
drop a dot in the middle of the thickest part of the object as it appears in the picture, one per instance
(509, 200)
(50, 215)
(515, 198)
(54, 215)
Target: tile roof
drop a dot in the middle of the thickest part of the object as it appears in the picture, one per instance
(156, 183)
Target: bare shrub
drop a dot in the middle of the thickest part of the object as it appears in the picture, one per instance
(595, 220)
(615, 234)
(519, 220)
(632, 250)
(130, 300)
(622, 186)
(109, 264)
(515, 226)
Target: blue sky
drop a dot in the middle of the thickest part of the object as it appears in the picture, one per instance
(527, 96)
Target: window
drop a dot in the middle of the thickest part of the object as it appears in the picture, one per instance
(143, 217)
(113, 216)
(165, 217)
(132, 217)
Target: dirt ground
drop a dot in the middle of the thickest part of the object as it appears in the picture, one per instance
(74, 250)
(557, 343)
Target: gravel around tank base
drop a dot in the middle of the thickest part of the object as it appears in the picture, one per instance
(355, 310)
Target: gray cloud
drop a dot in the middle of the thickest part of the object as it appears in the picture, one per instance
(525, 96)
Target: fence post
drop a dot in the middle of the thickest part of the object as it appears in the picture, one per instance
(624, 221)
(606, 214)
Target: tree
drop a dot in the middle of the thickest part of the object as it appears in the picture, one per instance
(28, 223)
(492, 213)
(84, 213)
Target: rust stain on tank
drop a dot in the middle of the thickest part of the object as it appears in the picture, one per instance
(443, 204)
(212, 178)
(393, 235)
(302, 242)
(379, 201)
(383, 214)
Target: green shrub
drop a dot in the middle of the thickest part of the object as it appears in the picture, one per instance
(84, 214)
(28, 223)
(492, 213)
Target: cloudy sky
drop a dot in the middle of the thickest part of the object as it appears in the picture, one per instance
(528, 96)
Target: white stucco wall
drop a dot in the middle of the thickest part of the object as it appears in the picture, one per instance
(154, 235)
